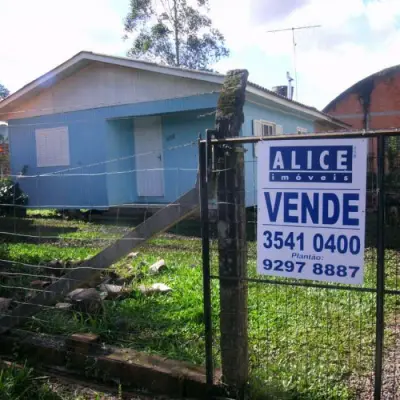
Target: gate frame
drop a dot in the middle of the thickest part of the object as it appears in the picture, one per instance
(211, 145)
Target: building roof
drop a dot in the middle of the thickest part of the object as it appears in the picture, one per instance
(362, 85)
(83, 58)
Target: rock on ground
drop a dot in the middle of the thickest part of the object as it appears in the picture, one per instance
(154, 288)
(86, 300)
(157, 267)
(113, 291)
(64, 306)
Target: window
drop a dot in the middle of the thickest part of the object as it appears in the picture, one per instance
(52, 147)
(301, 131)
(266, 128)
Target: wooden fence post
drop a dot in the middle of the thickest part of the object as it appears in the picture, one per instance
(232, 243)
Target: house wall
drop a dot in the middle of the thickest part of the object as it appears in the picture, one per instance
(180, 135)
(381, 92)
(180, 132)
(121, 178)
(99, 85)
(70, 189)
(289, 122)
(98, 136)
(373, 103)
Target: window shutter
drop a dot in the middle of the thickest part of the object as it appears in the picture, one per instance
(257, 127)
(52, 147)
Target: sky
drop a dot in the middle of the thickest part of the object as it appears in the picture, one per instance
(356, 38)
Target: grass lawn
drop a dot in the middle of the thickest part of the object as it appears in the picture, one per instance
(304, 343)
(21, 382)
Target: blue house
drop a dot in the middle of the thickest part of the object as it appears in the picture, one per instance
(101, 131)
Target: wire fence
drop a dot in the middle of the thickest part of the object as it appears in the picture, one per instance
(314, 340)
(305, 339)
(149, 298)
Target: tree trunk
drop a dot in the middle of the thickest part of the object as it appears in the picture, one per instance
(178, 61)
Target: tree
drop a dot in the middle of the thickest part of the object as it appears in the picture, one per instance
(175, 33)
(4, 92)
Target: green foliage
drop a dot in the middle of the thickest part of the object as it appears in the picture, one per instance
(4, 92)
(392, 151)
(392, 181)
(304, 343)
(34, 254)
(21, 384)
(10, 195)
(42, 213)
(174, 32)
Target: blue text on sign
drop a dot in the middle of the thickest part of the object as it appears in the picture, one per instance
(311, 158)
(313, 208)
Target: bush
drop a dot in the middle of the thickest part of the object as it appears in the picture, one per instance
(12, 198)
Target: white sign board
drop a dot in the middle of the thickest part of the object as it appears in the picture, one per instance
(311, 209)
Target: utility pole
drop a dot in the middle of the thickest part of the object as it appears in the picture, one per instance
(293, 29)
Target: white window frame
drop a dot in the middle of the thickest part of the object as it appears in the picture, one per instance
(259, 126)
(301, 131)
(52, 147)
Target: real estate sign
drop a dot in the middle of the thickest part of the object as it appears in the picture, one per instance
(311, 209)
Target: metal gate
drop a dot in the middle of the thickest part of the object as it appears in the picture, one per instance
(307, 340)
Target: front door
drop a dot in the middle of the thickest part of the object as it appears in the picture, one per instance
(149, 156)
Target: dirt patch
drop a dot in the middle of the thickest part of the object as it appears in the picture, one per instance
(364, 385)
(71, 389)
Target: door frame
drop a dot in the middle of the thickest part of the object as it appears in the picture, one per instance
(148, 123)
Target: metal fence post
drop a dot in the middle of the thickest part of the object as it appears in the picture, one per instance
(380, 274)
(203, 165)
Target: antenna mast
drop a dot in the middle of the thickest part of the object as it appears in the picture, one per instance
(293, 29)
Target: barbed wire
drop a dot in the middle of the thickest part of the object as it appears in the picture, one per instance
(47, 266)
(66, 238)
(62, 175)
(119, 159)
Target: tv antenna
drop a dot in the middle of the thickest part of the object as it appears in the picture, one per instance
(293, 29)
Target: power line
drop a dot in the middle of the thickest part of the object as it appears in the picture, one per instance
(293, 29)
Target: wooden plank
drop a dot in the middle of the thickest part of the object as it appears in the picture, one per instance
(164, 219)
(134, 369)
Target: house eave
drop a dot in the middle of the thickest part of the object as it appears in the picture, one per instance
(84, 58)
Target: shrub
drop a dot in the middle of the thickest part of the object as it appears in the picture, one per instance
(12, 198)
